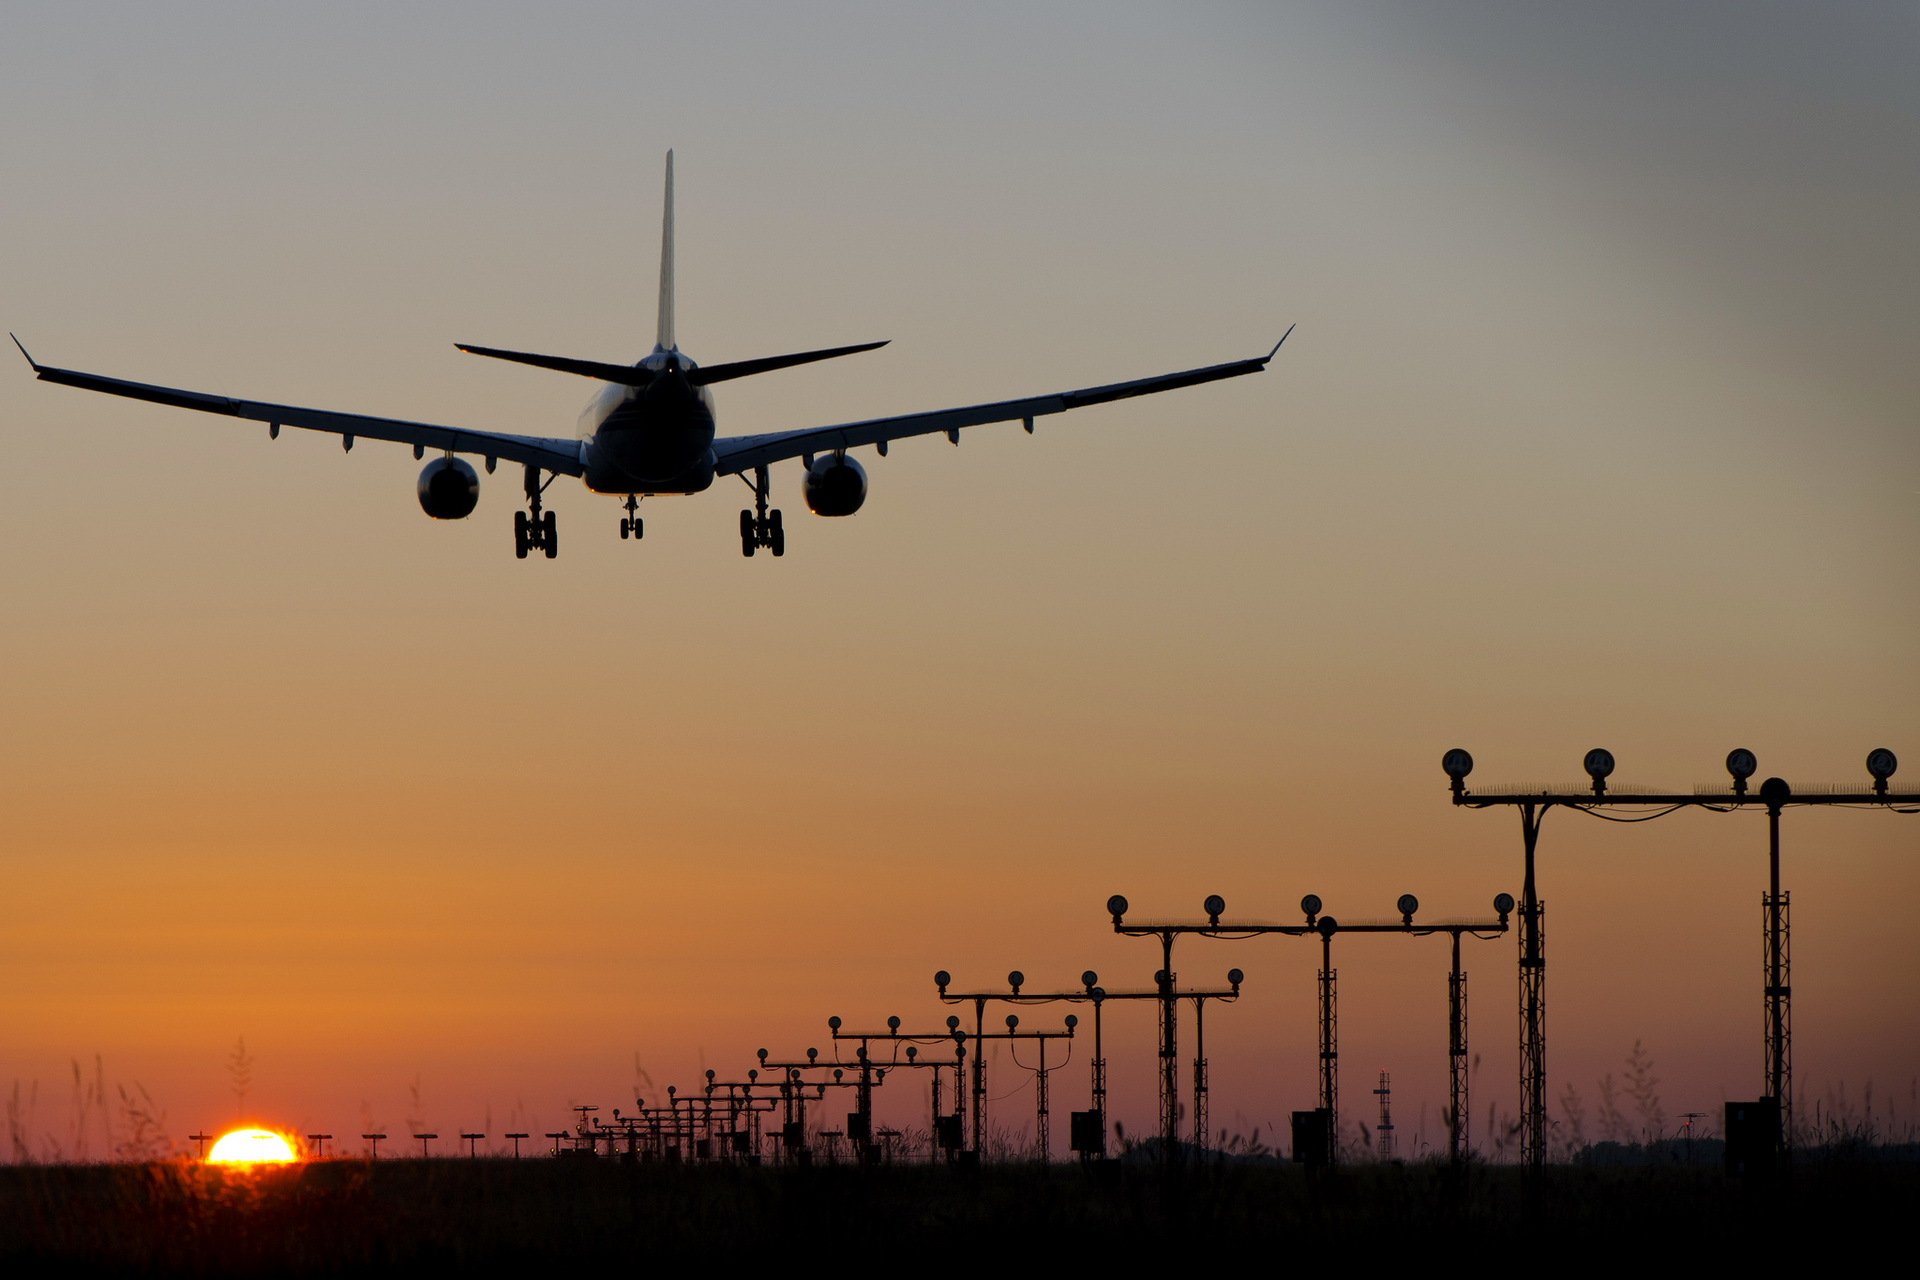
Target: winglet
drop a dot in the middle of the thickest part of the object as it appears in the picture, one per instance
(23, 351)
(1283, 342)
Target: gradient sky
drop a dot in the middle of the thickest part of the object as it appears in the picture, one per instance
(1598, 429)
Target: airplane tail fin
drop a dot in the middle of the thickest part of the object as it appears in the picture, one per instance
(665, 338)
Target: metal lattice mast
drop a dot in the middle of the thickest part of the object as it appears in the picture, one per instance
(1329, 1039)
(1779, 1010)
(1779, 988)
(933, 1125)
(1533, 1036)
(1533, 1003)
(1459, 1112)
(1042, 1116)
(1169, 1051)
(1098, 1101)
(1200, 1075)
(1383, 1147)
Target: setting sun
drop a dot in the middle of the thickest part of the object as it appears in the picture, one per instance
(252, 1146)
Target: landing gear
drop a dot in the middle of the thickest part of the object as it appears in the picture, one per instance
(761, 527)
(534, 528)
(631, 525)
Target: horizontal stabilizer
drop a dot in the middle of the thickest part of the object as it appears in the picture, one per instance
(625, 374)
(628, 375)
(746, 368)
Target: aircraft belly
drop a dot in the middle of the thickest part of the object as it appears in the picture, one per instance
(645, 461)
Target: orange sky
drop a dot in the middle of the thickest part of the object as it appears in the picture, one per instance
(1597, 430)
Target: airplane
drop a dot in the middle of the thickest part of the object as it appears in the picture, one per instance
(649, 430)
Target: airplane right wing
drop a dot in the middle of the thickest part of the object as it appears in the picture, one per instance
(744, 453)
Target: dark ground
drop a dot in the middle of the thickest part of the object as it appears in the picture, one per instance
(353, 1216)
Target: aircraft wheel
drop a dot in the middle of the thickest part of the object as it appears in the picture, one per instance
(548, 539)
(520, 534)
(778, 539)
(773, 522)
(747, 544)
(639, 529)
(626, 527)
(746, 526)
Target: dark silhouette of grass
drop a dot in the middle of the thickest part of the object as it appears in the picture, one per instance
(353, 1216)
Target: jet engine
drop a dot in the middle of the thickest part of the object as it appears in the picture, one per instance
(835, 485)
(449, 489)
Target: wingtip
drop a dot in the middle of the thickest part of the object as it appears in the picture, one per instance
(1283, 342)
(31, 363)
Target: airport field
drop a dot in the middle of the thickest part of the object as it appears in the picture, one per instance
(356, 1216)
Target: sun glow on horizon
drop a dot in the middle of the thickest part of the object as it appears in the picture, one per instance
(252, 1146)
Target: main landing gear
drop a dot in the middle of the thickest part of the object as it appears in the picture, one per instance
(631, 525)
(761, 527)
(534, 528)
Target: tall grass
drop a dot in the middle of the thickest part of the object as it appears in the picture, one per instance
(354, 1216)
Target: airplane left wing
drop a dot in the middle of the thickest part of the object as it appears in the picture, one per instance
(744, 453)
(560, 456)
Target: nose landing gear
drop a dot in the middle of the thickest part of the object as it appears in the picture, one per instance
(761, 527)
(533, 529)
(631, 525)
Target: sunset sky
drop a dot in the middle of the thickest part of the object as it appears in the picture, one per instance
(1598, 428)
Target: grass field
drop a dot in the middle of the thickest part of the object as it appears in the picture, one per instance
(355, 1216)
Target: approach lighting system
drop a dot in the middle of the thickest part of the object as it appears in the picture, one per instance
(1458, 764)
(1116, 907)
(1773, 795)
(1408, 904)
(1214, 906)
(1311, 905)
(1503, 906)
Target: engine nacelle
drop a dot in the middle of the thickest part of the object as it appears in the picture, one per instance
(835, 486)
(449, 489)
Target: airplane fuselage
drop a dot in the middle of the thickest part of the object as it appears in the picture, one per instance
(653, 439)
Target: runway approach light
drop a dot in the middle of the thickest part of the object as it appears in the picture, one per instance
(1881, 763)
(1599, 764)
(1741, 763)
(1458, 763)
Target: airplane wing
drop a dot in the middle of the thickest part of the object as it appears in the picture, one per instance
(743, 453)
(556, 455)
